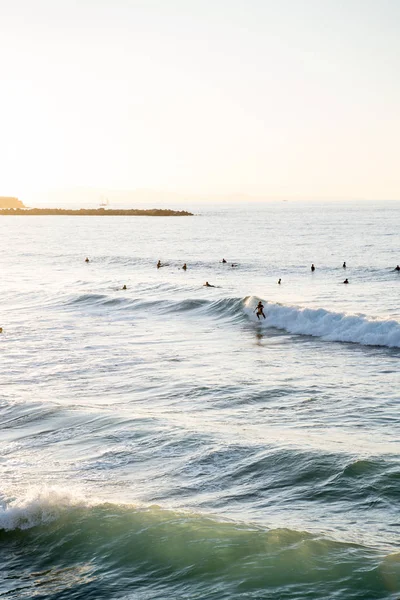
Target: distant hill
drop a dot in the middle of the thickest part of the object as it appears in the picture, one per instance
(10, 202)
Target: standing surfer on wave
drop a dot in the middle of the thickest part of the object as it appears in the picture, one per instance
(259, 310)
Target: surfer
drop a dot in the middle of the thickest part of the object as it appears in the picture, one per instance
(233, 265)
(312, 268)
(259, 310)
(87, 260)
(208, 284)
(279, 281)
(184, 267)
(223, 260)
(124, 287)
(346, 281)
(159, 264)
(397, 268)
(344, 265)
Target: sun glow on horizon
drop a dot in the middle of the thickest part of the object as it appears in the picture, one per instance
(269, 99)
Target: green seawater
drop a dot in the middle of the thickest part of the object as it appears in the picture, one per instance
(110, 551)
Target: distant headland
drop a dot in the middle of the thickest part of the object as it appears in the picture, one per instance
(10, 202)
(92, 212)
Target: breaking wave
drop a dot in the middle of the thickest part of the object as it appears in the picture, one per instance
(116, 550)
(327, 325)
(330, 326)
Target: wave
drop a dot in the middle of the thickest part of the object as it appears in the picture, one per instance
(330, 326)
(223, 307)
(322, 323)
(112, 549)
(89, 299)
(36, 508)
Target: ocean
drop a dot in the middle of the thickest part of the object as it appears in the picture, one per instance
(161, 442)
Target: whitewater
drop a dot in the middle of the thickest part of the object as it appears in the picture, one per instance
(160, 441)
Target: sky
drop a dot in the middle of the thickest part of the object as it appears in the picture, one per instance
(285, 98)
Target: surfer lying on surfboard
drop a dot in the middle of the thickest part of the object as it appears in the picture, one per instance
(259, 310)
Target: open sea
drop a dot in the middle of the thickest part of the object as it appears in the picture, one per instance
(160, 442)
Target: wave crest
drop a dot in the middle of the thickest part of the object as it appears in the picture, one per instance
(37, 507)
(153, 546)
(325, 324)
(330, 326)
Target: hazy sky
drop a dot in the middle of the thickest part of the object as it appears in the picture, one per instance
(279, 98)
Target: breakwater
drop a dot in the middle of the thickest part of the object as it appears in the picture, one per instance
(96, 212)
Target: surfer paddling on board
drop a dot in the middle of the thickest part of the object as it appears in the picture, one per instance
(259, 310)
(208, 284)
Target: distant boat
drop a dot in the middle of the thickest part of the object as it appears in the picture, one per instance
(104, 203)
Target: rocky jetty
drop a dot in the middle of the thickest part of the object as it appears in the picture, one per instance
(95, 212)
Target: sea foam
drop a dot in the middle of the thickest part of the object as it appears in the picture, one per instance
(330, 326)
(36, 507)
